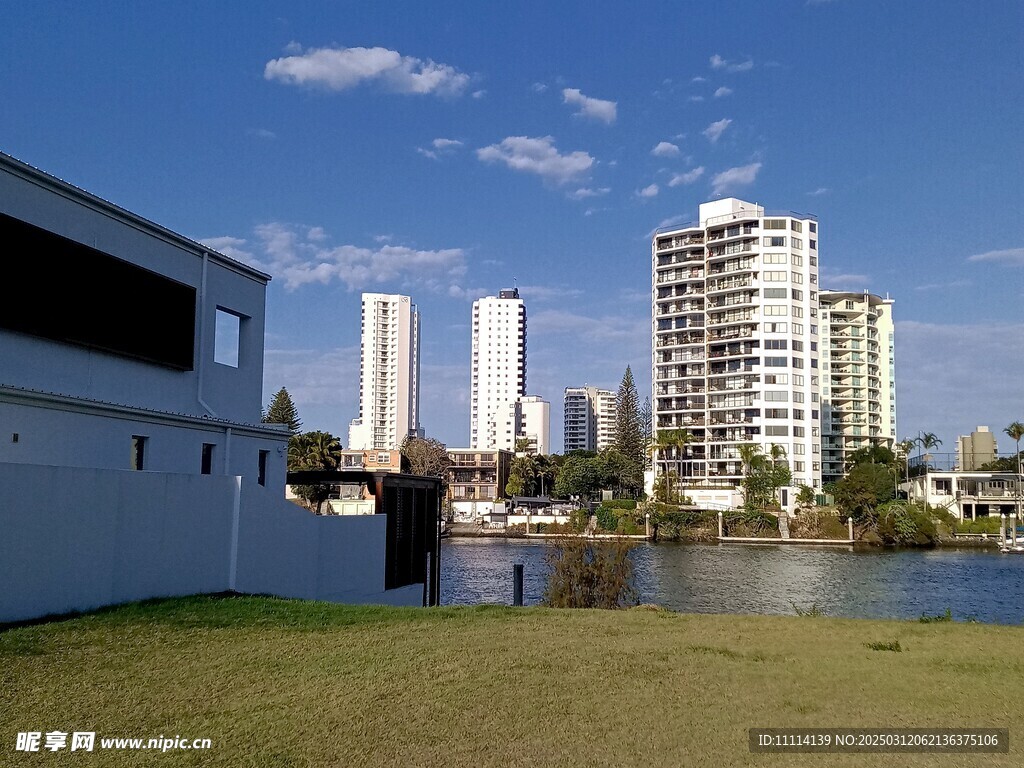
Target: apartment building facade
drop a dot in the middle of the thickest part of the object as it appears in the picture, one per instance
(389, 374)
(535, 424)
(589, 423)
(735, 335)
(498, 371)
(858, 363)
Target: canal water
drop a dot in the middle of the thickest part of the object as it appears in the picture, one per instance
(766, 579)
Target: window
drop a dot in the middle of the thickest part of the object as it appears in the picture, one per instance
(774, 396)
(775, 343)
(798, 466)
(138, 460)
(796, 226)
(799, 449)
(775, 309)
(798, 380)
(798, 278)
(796, 242)
(775, 258)
(798, 414)
(261, 476)
(798, 431)
(798, 346)
(814, 415)
(798, 397)
(814, 346)
(775, 242)
(225, 343)
(775, 327)
(798, 295)
(813, 244)
(775, 362)
(774, 277)
(814, 362)
(776, 378)
(814, 330)
(814, 396)
(206, 462)
(798, 260)
(776, 413)
(813, 227)
(798, 311)
(773, 431)
(775, 293)
(798, 362)
(774, 223)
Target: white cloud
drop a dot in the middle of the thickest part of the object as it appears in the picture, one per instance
(665, 149)
(699, 79)
(539, 87)
(612, 328)
(339, 69)
(478, 94)
(716, 129)
(585, 192)
(717, 62)
(696, 98)
(596, 109)
(537, 155)
(261, 133)
(299, 256)
(735, 177)
(469, 294)
(648, 191)
(686, 178)
(819, 192)
(312, 376)
(1013, 257)
(723, 91)
(440, 147)
(943, 286)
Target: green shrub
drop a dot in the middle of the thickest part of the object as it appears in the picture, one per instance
(590, 574)
(619, 504)
(980, 525)
(892, 646)
(905, 524)
(940, 617)
(748, 523)
(607, 519)
(812, 612)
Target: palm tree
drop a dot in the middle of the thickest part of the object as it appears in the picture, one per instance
(1016, 432)
(545, 471)
(927, 441)
(672, 439)
(313, 450)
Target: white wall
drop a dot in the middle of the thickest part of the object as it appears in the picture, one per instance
(75, 539)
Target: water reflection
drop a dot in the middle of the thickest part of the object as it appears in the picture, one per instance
(766, 579)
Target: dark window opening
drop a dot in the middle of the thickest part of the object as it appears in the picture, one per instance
(261, 477)
(206, 467)
(139, 452)
(15, 437)
(63, 290)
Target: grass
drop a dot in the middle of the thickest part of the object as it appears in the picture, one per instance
(287, 683)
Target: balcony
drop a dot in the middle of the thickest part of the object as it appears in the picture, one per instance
(680, 241)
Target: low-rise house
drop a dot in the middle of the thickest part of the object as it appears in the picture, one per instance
(968, 495)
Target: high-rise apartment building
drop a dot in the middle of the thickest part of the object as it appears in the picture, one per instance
(389, 374)
(498, 370)
(735, 332)
(535, 423)
(858, 368)
(589, 423)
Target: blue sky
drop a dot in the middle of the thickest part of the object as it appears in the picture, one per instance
(443, 149)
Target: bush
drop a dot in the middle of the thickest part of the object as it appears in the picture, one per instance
(818, 523)
(607, 519)
(980, 525)
(750, 523)
(904, 524)
(891, 646)
(619, 504)
(590, 574)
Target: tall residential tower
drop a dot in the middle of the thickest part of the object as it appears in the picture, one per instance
(498, 370)
(858, 363)
(389, 374)
(589, 418)
(735, 333)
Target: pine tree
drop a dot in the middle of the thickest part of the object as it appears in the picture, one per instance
(282, 411)
(629, 439)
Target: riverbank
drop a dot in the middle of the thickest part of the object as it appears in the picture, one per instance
(276, 682)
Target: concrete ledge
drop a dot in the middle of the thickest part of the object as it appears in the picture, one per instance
(755, 540)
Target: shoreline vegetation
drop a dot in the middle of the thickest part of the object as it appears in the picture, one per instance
(294, 683)
(897, 524)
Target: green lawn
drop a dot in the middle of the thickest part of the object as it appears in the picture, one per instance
(287, 683)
